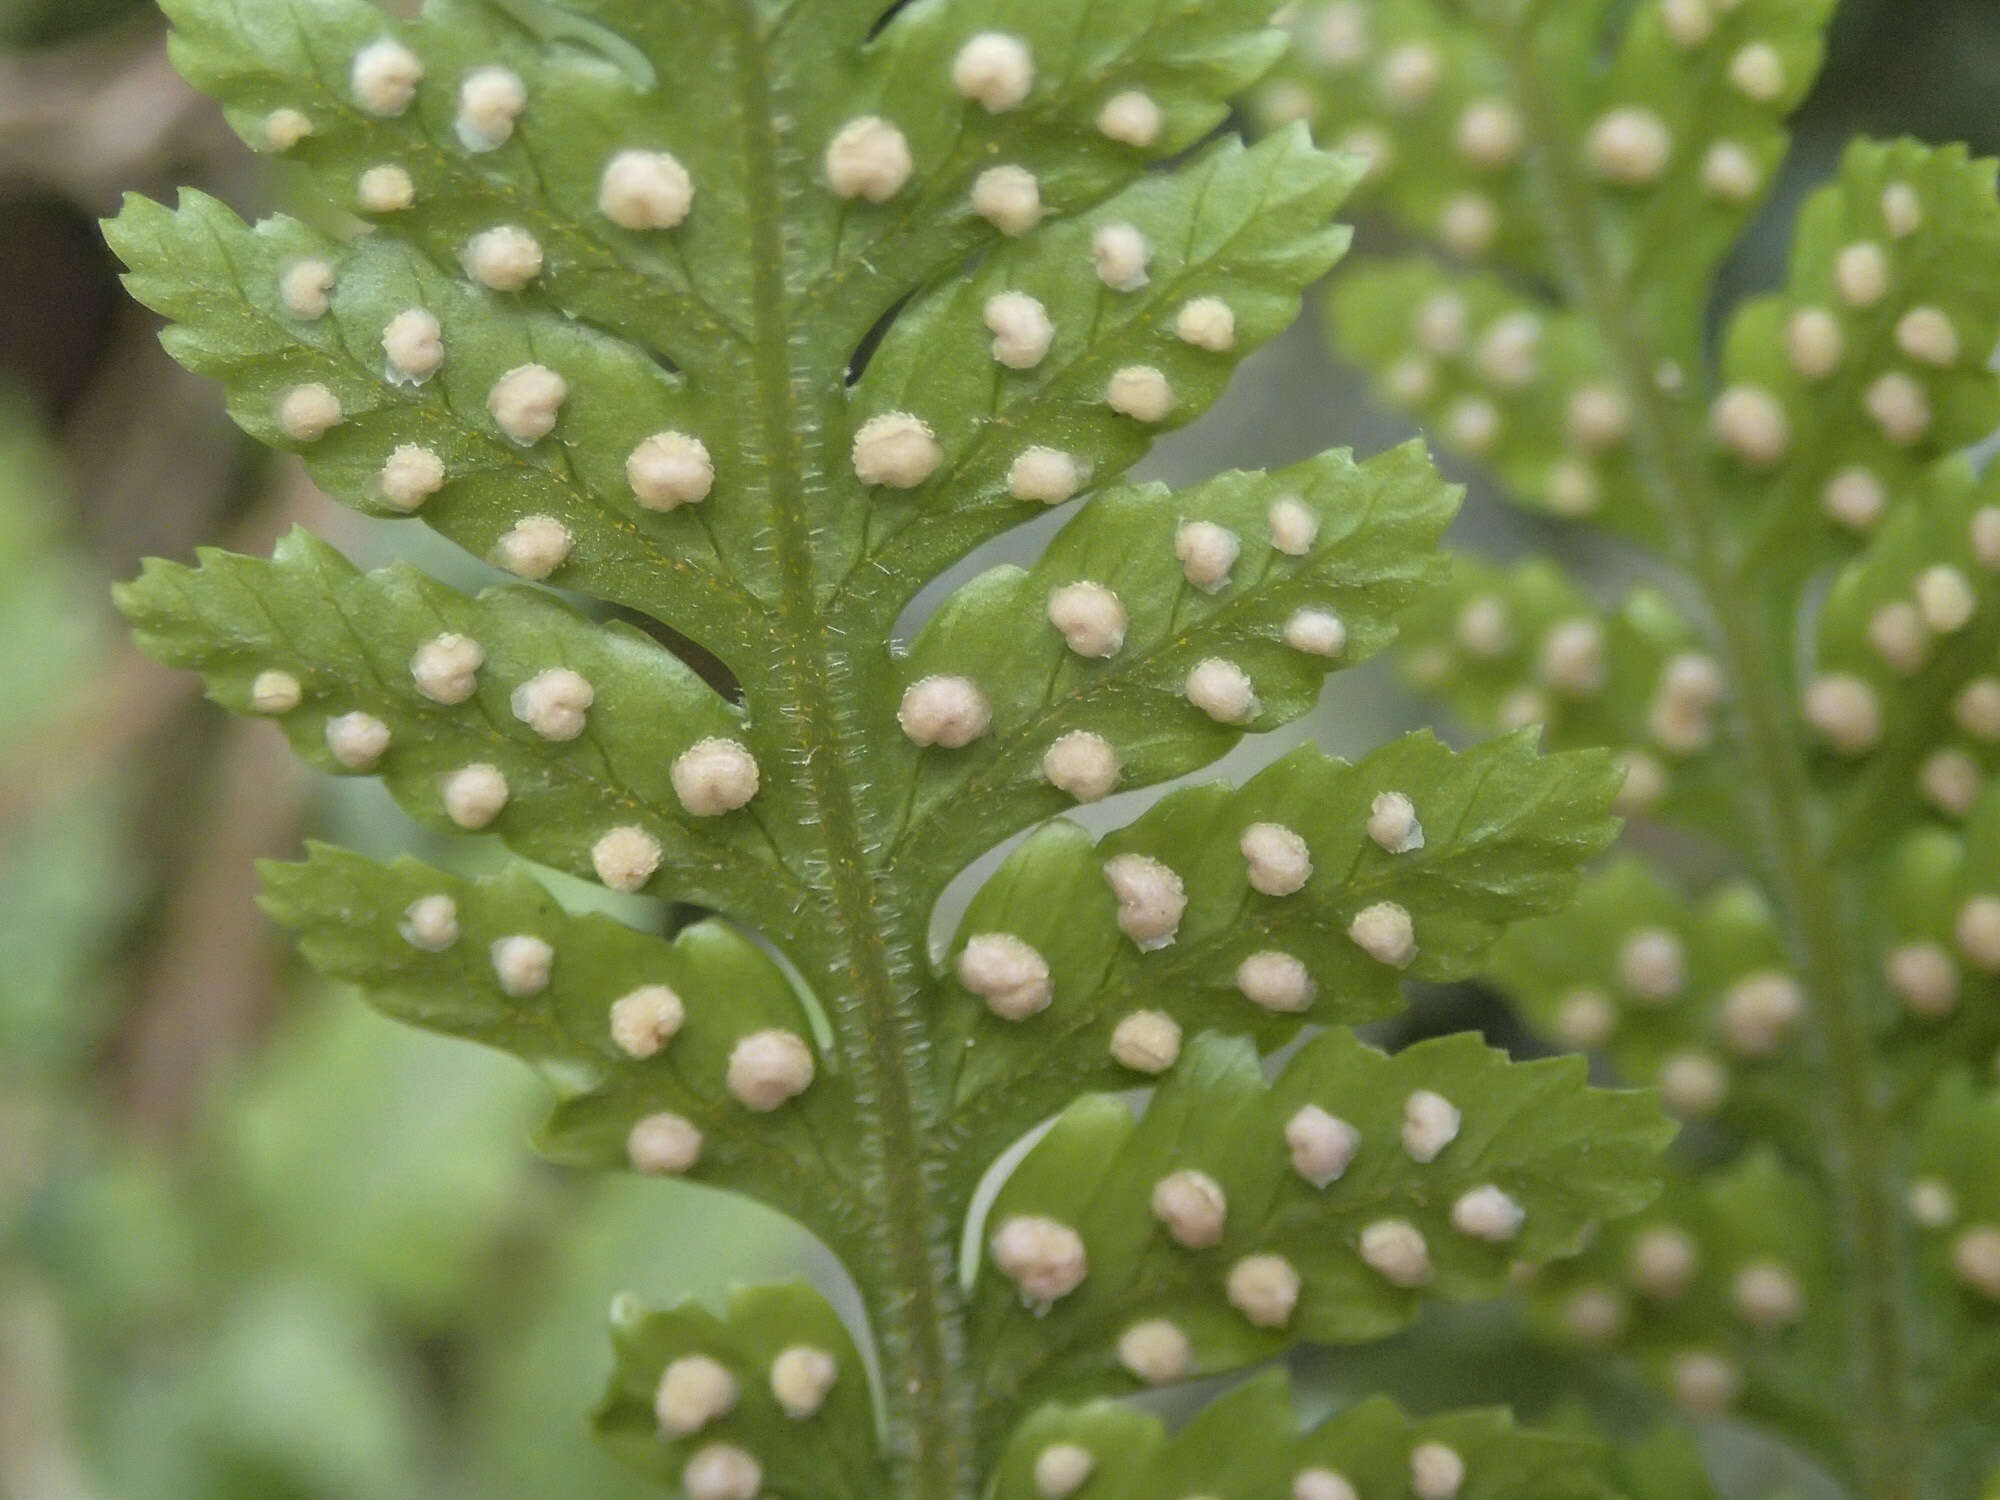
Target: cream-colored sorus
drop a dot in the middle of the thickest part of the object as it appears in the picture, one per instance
(1294, 525)
(356, 740)
(1845, 711)
(995, 70)
(1411, 381)
(1009, 198)
(275, 692)
(1975, 1260)
(1276, 981)
(1664, 1261)
(802, 1377)
(1276, 860)
(504, 258)
(1945, 598)
(533, 547)
(1900, 637)
(413, 343)
(1395, 1249)
(285, 128)
(1902, 210)
(1598, 417)
(1442, 323)
(1932, 1203)
(950, 712)
(1586, 1020)
(767, 1068)
(897, 449)
(1436, 1472)
(645, 1020)
(1757, 72)
(1146, 1041)
(1151, 898)
(722, 1471)
(670, 469)
(1652, 965)
(1091, 618)
(1121, 255)
(1767, 1296)
(1473, 424)
(306, 413)
(1316, 632)
(1751, 423)
(409, 476)
(663, 1145)
(1193, 1207)
(1900, 408)
(445, 668)
(1976, 929)
(1222, 690)
(868, 158)
(1385, 933)
(1141, 393)
(1692, 1084)
(1022, 332)
(1132, 119)
(1393, 823)
(642, 190)
(384, 189)
(490, 100)
(1861, 274)
(1047, 476)
(626, 857)
(1322, 1484)
(1007, 973)
(1156, 1351)
(430, 923)
(1928, 336)
(1595, 1315)
(1855, 498)
(1510, 353)
(1321, 1145)
(1489, 134)
(474, 795)
(1705, 1383)
(384, 77)
(1061, 1469)
(1084, 765)
(1488, 1213)
(1814, 342)
(1206, 323)
(693, 1391)
(714, 776)
(1976, 709)
(1265, 1289)
(1207, 552)
(525, 401)
(1044, 1258)
(1952, 781)
(1924, 977)
(1646, 782)
(1430, 1123)
(554, 703)
(1983, 532)
(1730, 174)
(1689, 23)
(522, 963)
(1629, 147)
(1762, 1012)
(1572, 488)
(303, 287)
(1571, 658)
(1410, 74)
(1484, 627)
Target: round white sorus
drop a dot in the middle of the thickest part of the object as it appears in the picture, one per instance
(1265, 1289)
(1139, 392)
(1900, 637)
(1430, 1123)
(446, 667)
(1855, 498)
(473, 795)
(1022, 332)
(1510, 353)
(766, 1068)
(694, 1390)
(950, 712)
(303, 286)
(490, 100)
(1473, 424)
(1489, 133)
(1044, 1258)
(1084, 765)
(1932, 1204)
(1317, 632)
(1009, 975)
(1952, 781)
(1595, 1315)
(553, 703)
(1375, 148)
(1146, 1041)
(1758, 72)
(669, 470)
(1693, 1085)
(1976, 709)
(384, 77)
(1767, 1296)
(1976, 929)
(1442, 323)
(1571, 658)
(504, 258)
(1207, 552)
(1705, 1383)
(533, 547)
(1689, 23)
(626, 858)
(1861, 274)
(522, 963)
(1573, 489)
(722, 1471)
(1396, 1251)
(1484, 627)
(524, 402)
(384, 190)
(1392, 823)
(1151, 899)
(1761, 1012)
(1751, 423)
(1730, 173)
(1294, 525)
(1975, 1260)
(1664, 1261)
(1411, 381)
(1902, 210)
(1222, 690)
(1652, 966)
(1340, 37)
(1924, 977)
(307, 413)
(1121, 255)
(1046, 476)
(1646, 782)
(645, 190)
(1207, 323)
(1900, 408)
(413, 341)
(1009, 198)
(1586, 1019)
(1521, 709)
(1845, 711)
(275, 692)
(430, 923)
(1193, 1208)
(1983, 532)
(356, 740)
(714, 776)
(409, 476)
(1598, 417)
(1468, 224)
(1385, 933)
(1132, 119)
(1814, 342)
(1156, 1352)
(1321, 1146)
(995, 70)
(1928, 336)
(1945, 598)
(1691, 677)
(663, 1145)
(896, 449)
(1061, 1469)
(1488, 1213)
(1276, 981)
(645, 1020)
(285, 128)
(801, 1379)
(1090, 616)
(1277, 861)
(1322, 1484)
(868, 158)
(1410, 74)
(1629, 147)
(1436, 1472)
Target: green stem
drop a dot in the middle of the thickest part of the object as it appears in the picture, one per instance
(1818, 905)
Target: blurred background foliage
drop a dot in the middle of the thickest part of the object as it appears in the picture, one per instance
(254, 1241)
